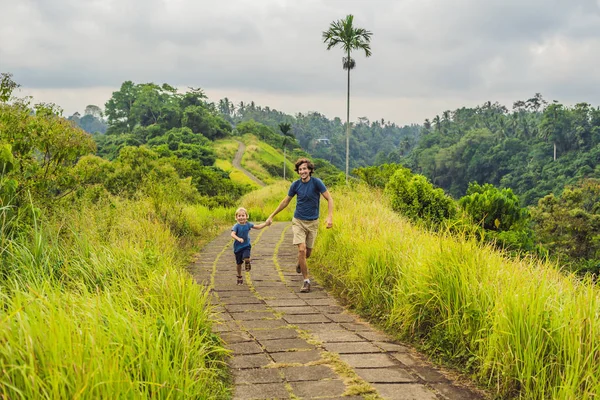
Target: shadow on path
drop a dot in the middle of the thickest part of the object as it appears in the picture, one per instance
(286, 344)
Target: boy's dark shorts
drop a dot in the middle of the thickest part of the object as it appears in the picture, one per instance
(243, 253)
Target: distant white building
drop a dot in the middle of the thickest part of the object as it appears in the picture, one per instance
(324, 141)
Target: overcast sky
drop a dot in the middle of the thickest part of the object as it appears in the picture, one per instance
(428, 55)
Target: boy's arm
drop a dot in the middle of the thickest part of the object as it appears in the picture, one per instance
(329, 220)
(236, 237)
(284, 203)
(260, 226)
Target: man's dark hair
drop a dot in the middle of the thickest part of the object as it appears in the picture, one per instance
(309, 164)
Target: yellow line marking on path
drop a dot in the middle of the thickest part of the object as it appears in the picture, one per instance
(276, 252)
(214, 265)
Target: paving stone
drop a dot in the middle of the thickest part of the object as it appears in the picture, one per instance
(375, 336)
(352, 347)
(266, 283)
(256, 375)
(329, 309)
(235, 295)
(385, 375)
(222, 317)
(225, 327)
(336, 336)
(261, 391)
(277, 294)
(324, 301)
(404, 391)
(341, 317)
(322, 327)
(293, 357)
(235, 308)
(263, 324)
(429, 374)
(285, 345)
(374, 360)
(296, 310)
(280, 333)
(241, 300)
(453, 392)
(285, 303)
(310, 389)
(406, 359)
(249, 316)
(357, 327)
(392, 347)
(245, 348)
(235, 337)
(306, 319)
(308, 373)
(249, 361)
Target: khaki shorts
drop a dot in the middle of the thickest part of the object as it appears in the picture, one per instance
(305, 231)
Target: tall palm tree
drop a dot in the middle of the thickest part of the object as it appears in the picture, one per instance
(342, 32)
(285, 128)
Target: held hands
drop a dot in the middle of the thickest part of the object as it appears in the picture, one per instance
(269, 221)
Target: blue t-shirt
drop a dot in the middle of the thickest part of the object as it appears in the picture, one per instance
(243, 232)
(309, 194)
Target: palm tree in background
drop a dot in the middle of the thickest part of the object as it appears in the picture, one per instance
(342, 32)
(285, 128)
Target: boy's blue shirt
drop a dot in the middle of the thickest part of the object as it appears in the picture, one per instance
(309, 196)
(243, 232)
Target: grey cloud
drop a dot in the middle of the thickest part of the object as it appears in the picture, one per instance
(463, 48)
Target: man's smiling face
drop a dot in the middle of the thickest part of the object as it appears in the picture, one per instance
(304, 172)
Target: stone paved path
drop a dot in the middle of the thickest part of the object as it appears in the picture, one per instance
(287, 344)
(237, 163)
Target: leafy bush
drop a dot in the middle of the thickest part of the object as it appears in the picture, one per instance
(493, 208)
(416, 198)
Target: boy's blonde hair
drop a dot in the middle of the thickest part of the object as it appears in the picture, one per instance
(239, 210)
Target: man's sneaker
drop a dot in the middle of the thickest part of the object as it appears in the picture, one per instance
(298, 269)
(248, 265)
(240, 281)
(305, 287)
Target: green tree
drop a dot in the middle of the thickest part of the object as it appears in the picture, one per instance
(342, 32)
(569, 225)
(416, 198)
(493, 208)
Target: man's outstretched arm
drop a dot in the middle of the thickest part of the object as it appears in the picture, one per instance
(284, 203)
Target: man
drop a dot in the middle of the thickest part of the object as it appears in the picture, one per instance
(305, 223)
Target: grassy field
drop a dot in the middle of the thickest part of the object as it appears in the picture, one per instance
(97, 304)
(520, 328)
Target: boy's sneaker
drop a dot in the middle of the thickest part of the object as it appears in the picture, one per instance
(240, 281)
(305, 287)
(248, 265)
(298, 269)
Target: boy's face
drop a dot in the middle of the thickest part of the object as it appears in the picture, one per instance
(303, 171)
(241, 217)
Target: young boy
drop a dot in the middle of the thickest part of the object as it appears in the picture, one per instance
(241, 245)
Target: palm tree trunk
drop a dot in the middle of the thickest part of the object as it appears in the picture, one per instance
(348, 122)
(284, 163)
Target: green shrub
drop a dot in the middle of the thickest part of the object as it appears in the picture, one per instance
(416, 198)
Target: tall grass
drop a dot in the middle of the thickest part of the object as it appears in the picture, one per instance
(521, 328)
(96, 303)
(261, 203)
